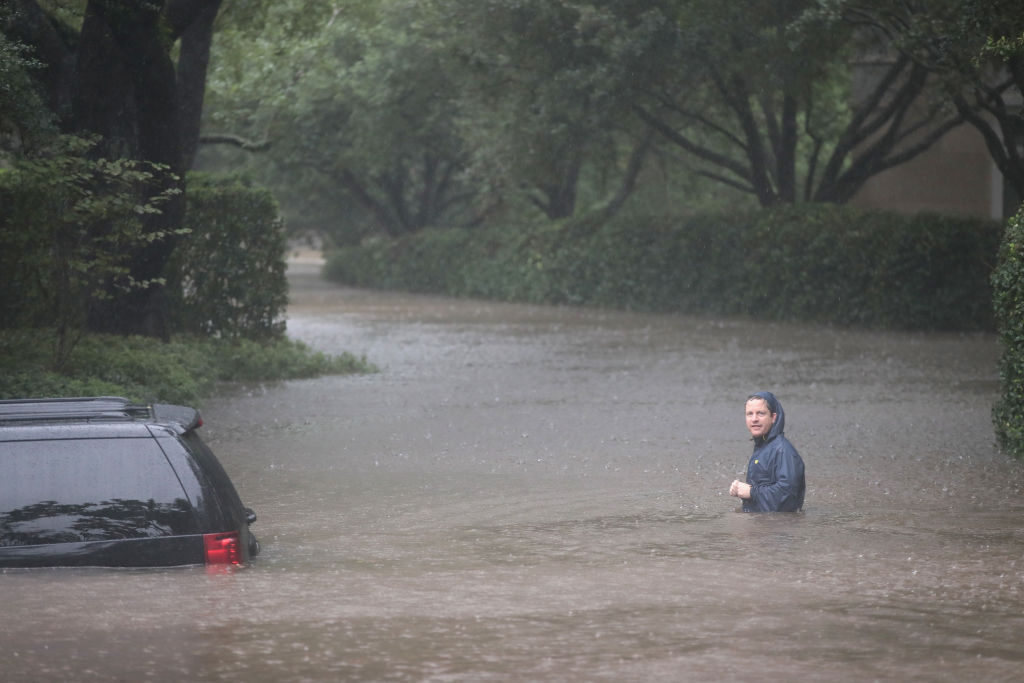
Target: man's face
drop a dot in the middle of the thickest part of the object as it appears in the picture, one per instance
(759, 418)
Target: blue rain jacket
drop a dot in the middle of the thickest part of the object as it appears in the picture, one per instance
(775, 471)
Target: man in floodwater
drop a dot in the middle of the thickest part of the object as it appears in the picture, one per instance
(775, 473)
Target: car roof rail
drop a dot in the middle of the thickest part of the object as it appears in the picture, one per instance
(58, 409)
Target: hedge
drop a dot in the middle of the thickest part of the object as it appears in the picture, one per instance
(1008, 298)
(816, 263)
(227, 276)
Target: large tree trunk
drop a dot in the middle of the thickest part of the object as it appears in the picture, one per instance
(127, 94)
(117, 80)
(194, 24)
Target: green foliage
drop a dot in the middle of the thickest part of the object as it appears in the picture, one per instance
(229, 271)
(183, 371)
(392, 116)
(69, 226)
(817, 263)
(545, 93)
(361, 107)
(24, 120)
(973, 51)
(1008, 298)
(387, 118)
(245, 360)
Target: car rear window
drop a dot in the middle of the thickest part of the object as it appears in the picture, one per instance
(65, 491)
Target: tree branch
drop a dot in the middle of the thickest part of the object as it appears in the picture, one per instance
(236, 141)
(690, 146)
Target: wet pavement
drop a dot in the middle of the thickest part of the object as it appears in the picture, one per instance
(540, 493)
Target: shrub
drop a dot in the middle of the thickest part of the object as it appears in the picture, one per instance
(1008, 299)
(815, 263)
(145, 369)
(25, 251)
(227, 276)
(69, 226)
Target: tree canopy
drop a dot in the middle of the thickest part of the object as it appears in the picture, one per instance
(974, 49)
(437, 111)
(769, 97)
(133, 76)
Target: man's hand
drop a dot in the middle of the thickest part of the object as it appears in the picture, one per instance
(739, 489)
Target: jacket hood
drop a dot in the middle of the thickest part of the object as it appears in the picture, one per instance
(780, 416)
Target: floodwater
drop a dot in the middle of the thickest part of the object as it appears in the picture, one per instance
(540, 494)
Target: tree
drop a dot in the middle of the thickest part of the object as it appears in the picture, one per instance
(360, 110)
(436, 112)
(975, 48)
(69, 225)
(544, 86)
(110, 72)
(389, 125)
(760, 91)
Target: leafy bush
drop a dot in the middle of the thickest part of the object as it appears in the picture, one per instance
(1008, 298)
(145, 369)
(69, 224)
(816, 263)
(25, 261)
(228, 274)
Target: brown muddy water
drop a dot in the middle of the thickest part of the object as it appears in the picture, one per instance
(540, 494)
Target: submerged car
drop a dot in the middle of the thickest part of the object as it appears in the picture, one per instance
(106, 482)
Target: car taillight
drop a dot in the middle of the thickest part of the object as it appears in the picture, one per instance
(225, 548)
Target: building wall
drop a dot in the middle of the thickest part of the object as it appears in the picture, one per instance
(955, 176)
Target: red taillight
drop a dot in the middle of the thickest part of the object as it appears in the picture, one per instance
(223, 548)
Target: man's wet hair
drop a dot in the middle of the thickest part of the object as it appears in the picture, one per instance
(771, 409)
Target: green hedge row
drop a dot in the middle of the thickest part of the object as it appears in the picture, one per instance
(1008, 286)
(815, 263)
(227, 276)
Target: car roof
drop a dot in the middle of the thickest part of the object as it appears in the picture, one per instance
(95, 411)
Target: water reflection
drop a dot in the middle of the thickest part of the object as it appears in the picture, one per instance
(53, 522)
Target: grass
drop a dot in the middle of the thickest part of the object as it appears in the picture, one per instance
(183, 371)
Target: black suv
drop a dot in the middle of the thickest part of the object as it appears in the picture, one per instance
(105, 482)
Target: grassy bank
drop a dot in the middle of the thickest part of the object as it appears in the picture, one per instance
(186, 370)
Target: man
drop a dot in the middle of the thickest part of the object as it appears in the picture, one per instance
(775, 473)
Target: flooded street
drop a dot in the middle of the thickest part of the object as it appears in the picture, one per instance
(540, 494)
